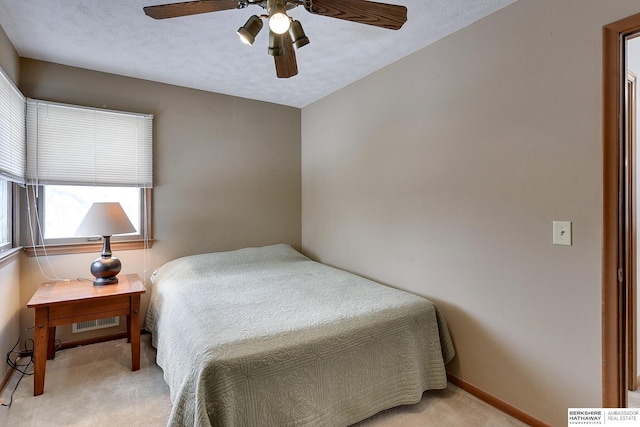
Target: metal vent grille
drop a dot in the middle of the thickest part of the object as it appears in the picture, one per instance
(90, 325)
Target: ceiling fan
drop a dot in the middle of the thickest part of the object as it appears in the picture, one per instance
(285, 32)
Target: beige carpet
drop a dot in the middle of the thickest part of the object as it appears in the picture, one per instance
(94, 386)
(633, 399)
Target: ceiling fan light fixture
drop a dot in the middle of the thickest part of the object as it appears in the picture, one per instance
(279, 22)
(276, 44)
(250, 30)
(297, 34)
(285, 33)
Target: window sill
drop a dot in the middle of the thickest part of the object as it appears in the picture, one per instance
(80, 248)
(9, 255)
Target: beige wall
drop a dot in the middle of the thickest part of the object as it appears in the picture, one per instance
(442, 173)
(9, 59)
(9, 270)
(9, 309)
(226, 169)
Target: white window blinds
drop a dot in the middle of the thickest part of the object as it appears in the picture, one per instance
(12, 131)
(68, 144)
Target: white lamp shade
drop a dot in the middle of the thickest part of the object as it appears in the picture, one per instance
(105, 219)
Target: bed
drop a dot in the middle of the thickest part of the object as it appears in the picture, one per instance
(267, 337)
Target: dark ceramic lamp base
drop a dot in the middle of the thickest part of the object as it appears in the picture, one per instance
(106, 268)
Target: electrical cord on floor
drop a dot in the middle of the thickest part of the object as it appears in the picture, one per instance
(17, 364)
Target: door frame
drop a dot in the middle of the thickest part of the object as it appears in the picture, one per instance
(615, 267)
(631, 231)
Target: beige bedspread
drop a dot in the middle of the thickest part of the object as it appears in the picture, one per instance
(267, 337)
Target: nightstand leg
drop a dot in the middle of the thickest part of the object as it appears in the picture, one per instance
(134, 332)
(40, 349)
(129, 327)
(51, 342)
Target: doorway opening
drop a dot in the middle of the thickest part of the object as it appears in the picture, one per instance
(619, 367)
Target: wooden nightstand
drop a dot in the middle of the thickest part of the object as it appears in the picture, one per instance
(60, 303)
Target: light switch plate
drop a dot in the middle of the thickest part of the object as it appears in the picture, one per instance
(562, 233)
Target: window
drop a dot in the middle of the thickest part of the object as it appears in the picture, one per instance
(79, 155)
(12, 156)
(5, 215)
(57, 211)
(62, 208)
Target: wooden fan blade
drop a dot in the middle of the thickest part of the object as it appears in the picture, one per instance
(362, 11)
(286, 65)
(174, 10)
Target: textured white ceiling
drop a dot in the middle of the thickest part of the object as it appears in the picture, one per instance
(204, 51)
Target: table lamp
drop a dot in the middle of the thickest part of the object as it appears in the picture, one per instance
(105, 219)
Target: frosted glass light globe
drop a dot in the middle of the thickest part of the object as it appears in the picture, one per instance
(279, 23)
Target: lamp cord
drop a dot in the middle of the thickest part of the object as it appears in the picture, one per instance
(33, 240)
